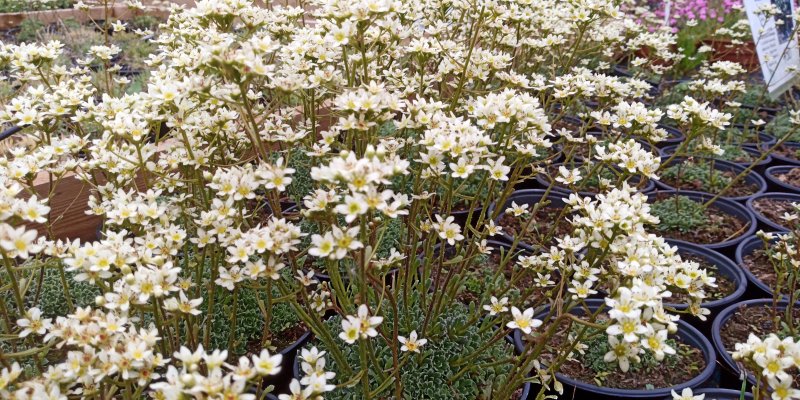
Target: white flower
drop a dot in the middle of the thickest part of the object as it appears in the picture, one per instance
(411, 344)
(323, 246)
(630, 328)
(497, 306)
(655, 341)
(33, 323)
(296, 392)
(523, 320)
(18, 242)
(368, 324)
(266, 364)
(623, 352)
(498, 171)
(463, 169)
(350, 327)
(352, 207)
(448, 229)
(183, 305)
(516, 209)
(687, 394)
(582, 290)
(782, 389)
(345, 241)
(568, 176)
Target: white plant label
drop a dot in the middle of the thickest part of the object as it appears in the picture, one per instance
(775, 43)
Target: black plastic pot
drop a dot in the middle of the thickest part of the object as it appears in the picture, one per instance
(462, 216)
(765, 140)
(728, 365)
(720, 165)
(764, 222)
(584, 390)
(531, 197)
(669, 84)
(556, 156)
(725, 267)
(9, 132)
(722, 204)
(761, 166)
(571, 119)
(718, 394)
(776, 185)
(284, 377)
(763, 111)
(623, 71)
(745, 248)
(128, 71)
(778, 158)
(542, 180)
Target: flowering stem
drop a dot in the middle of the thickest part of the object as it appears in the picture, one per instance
(747, 170)
(210, 288)
(232, 316)
(14, 284)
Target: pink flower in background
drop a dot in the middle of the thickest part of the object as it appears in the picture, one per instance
(684, 10)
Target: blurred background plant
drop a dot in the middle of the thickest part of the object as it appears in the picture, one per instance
(11, 6)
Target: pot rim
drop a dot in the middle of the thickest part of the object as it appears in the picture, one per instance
(743, 213)
(554, 196)
(787, 160)
(750, 203)
(670, 150)
(723, 263)
(751, 176)
(540, 178)
(739, 258)
(769, 175)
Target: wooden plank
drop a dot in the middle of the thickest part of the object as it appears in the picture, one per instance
(68, 206)
(13, 20)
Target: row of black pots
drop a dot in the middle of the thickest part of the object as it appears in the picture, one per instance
(747, 213)
(752, 151)
(722, 204)
(721, 254)
(750, 177)
(675, 137)
(722, 309)
(767, 186)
